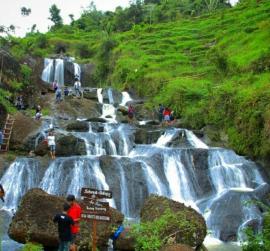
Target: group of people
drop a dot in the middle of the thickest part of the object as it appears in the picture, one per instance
(68, 224)
(58, 91)
(165, 114)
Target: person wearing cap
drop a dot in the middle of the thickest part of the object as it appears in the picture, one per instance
(64, 228)
(75, 213)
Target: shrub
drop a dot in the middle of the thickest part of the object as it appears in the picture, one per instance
(32, 247)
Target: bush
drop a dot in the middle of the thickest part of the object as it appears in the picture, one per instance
(83, 51)
(149, 236)
(32, 247)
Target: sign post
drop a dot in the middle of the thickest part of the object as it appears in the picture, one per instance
(95, 210)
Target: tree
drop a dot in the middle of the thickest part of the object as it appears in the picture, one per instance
(55, 16)
(25, 11)
(71, 16)
(33, 28)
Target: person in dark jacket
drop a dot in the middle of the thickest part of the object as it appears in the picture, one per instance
(64, 228)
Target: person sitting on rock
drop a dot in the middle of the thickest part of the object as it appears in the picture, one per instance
(51, 144)
(2, 193)
(74, 212)
(131, 113)
(64, 228)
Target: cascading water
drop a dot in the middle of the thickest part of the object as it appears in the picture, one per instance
(53, 71)
(125, 98)
(77, 71)
(48, 72)
(179, 165)
(59, 71)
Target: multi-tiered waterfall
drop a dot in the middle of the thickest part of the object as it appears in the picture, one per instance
(214, 181)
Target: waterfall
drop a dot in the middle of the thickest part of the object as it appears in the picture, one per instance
(47, 74)
(22, 175)
(125, 98)
(179, 166)
(194, 141)
(99, 95)
(166, 137)
(59, 71)
(77, 71)
(110, 95)
(71, 174)
(154, 184)
(179, 183)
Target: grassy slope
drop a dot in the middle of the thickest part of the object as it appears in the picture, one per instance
(211, 70)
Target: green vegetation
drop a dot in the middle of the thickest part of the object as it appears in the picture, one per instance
(151, 236)
(261, 241)
(32, 247)
(208, 62)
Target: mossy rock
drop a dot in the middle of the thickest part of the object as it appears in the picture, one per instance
(185, 227)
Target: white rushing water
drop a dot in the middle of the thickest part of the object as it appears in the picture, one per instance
(47, 74)
(166, 137)
(194, 141)
(59, 72)
(22, 175)
(125, 98)
(77, 71)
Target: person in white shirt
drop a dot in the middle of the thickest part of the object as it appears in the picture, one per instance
(51, 144)
(77, 87)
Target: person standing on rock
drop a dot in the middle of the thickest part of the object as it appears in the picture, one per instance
(2, 193)
(160, 112)
(74, 212)
(77, 87)
(58, 95)
(51, 144)
(64, 228)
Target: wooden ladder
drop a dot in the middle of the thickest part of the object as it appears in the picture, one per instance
(7, 133)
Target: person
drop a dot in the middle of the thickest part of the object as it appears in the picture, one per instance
(66, 92)
(172, 118)
(75, 213)
(131, 113)
(77, 87)
(51, 144)
(65, 223)
(2, 193)
(19, 102)
(55, 86)
(167, 115)
(1, 139)
(38, 113)
(160, 112)
(58, 95)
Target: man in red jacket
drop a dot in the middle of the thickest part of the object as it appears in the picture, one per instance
(75, 213)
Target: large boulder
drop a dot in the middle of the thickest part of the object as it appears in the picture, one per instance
(147, 136)
(70, 145)
(90, 93)
(231, 210)
(188, 228)
(78, 126)
(33, 222)
(24, 133)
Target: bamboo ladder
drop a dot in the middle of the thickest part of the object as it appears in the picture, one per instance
(7, 133)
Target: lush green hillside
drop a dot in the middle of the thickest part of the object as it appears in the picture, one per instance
(212, 69)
